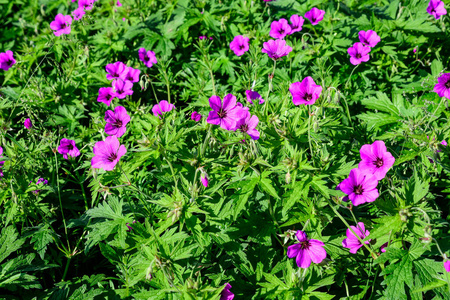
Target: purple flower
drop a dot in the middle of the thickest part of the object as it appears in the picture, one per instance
(248, 125)
(61, 24)
(204, 180)
(358, 53)
(68, 147)
(116, 121)
(78, 13)
(40, 180)
(28, 124)
(1, 155)
(296, 23)
(369, 38)
(442, 88)
(239, 45)
(383, 247)
(107, 153)
(360, 187)
(352, 241)
(276, 49)
(375, 160)
(85, 4)
(252, 95)
(162, 107)
(147, 57)
(279, 29)
(226, 115)
(226, 293)
(117, 70)
(196, 116)
(306, 251)
(447, 265)
(436, 9)
(119, 4)
(132, 74)
(122, 88)
(106, 95)
(7, 60)
(305, 92)
(315, 15)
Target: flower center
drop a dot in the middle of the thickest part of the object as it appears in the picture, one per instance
(70, 147)
(241, 47)
(281, 31)
(244, 128)
(305, 245)
(9, 62)
(308, 97)
(358, 190)
(358, 55)
(222, 113)
(63, 25)
(118, 123)
(112, 157)
(447, 85)
(108, 96)
(146, 58)
(379, 162)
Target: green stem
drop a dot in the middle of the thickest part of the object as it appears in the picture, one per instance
(309, 134)
(66, 268)
(173, 173)
(348, 80)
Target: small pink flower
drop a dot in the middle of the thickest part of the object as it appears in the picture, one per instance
(61, 24)
(436, 8)
(306, 250)
(305, 92)
(279, 29)
(68, 148)
(85, 4)
(252, 95)
(28, 124)
(447, 265)
(147, 57)
(296, 23)
(162, 107)
(352, 241)
(119, 4)
(123, 88)
(117, 70)
(204, 180)
(116, 121)
(276, 49)
(7, 60)
(106, 95)
(107, 153)
(78, 13)
(315, 15)
(239, 45)
(369, 38)
(375, 160)
(358, 53)
(196, 116)
(442, 88)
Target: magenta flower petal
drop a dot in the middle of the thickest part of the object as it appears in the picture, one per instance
(247, 124)
(239, 45)
(252, 95)
(276, 49)
(358, 53)
(122, 88)
(68, 148)
(61, 24)
(106, 95)
(369, 38)
(116, 121)
(360, 187)
(147, 57)
(132, 74)
(107, 153)
(352, 241)
(447, 265)
(196, 116)
(117, 70)
(279, 29)
(436, 8)
(306, 251)
(225, 115)
(305, 92)
(226, 293)
(7, 60)
(296, 23)
(375, 160)
(315, 15)
(162, 107)
(28, 124)
(442, 88)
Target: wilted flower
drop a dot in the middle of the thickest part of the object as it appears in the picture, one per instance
(252, 95)
(106, 95)
(360, 187)
(436, 8)
(162, 107)
(28, 124)
(358, 53)
(279, 29)
(305, 92)
(226, 293)
(147, 57)
(239, 45)
(296, 23)
(352, 241)
(369, 38)
(68, 148)
(196, 116)
(442, 88)
(122, 88)
(132, 74)
(248, 125)
(85, 4)
(107, 153)
(61, 24)
(276, 49)
(306, 251)
(117, 70)
(7, 60)
(116, 121)
(226, 115)
(375, 160)
(315, 15)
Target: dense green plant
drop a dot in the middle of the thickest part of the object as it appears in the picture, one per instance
(149, 229)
